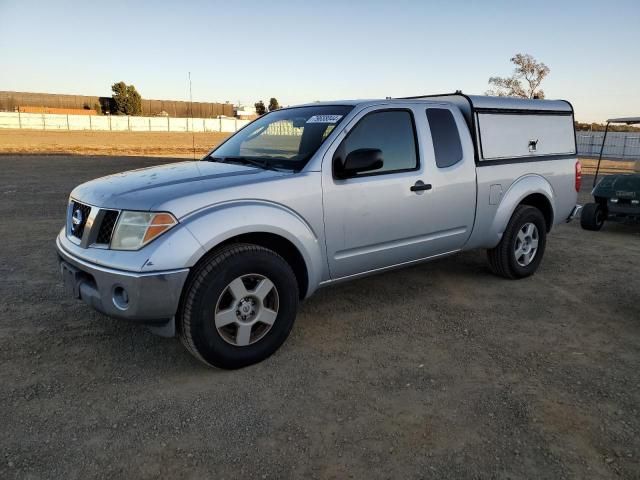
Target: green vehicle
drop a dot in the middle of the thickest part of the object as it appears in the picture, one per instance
(615, 196)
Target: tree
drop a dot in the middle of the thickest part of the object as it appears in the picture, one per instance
(273, 104)
(525, 80)
(126, 98)
(260, 108)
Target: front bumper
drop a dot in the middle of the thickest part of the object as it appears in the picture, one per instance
(146, 297)
(623, 209)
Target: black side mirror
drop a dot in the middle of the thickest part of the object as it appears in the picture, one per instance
(357, 161)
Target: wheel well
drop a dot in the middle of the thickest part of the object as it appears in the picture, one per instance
(542, 203)
(282, 247)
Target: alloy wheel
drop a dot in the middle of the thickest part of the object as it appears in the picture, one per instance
(246, 309)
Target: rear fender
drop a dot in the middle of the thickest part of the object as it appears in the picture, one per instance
(517, 192)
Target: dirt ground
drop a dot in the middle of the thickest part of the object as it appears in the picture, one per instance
(437, 371)
(166, 144)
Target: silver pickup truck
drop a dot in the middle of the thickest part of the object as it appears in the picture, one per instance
(220, 251)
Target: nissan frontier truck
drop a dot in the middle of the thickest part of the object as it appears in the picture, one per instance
(221, 251)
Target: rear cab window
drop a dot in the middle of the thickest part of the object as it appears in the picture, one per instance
(445, 136)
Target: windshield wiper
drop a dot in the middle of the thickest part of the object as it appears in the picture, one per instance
(264, 164)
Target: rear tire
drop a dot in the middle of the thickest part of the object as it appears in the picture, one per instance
(238, 307)
(592, 217)
(521, 249)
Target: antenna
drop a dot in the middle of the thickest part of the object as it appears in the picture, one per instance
(193, 132)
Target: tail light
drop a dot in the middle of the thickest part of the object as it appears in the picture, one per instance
(578, 176)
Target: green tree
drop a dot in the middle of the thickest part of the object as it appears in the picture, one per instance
(260, 108)
(525, 80)
(273, 104)
(126, 98)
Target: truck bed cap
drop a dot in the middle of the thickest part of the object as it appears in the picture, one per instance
(510, 103)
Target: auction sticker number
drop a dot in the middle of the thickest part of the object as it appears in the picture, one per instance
(324, 119)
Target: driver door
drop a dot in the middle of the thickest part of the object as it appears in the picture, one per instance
(409, 209)
(374, 219)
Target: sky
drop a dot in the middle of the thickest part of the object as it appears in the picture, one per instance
(303, 51)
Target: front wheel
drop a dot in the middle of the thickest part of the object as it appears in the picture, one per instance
(520, 251)
(238, 307)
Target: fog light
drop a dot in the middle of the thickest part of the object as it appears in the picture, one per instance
(614, 200)
(635, 202)
(120, 298)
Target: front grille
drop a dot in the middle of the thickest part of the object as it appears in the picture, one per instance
(98, 232)
(109, 220)
(79, 215)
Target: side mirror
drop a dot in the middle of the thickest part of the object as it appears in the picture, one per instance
(357, 161)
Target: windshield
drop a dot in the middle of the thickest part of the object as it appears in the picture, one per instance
(285, 138)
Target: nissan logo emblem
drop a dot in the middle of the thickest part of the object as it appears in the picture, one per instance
(76, 218)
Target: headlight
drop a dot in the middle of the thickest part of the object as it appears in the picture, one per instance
(135, 229)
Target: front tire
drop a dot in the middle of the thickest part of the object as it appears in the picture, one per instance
(238, 307)
(592, 217)
(521, 249)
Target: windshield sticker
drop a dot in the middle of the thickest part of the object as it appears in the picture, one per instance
(324, 119)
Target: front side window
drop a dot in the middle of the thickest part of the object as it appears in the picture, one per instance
(392, 132)
(285, 138)
(445, 137)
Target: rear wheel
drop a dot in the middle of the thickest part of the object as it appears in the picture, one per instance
(239, 306)
(592, 217)
(520, 251)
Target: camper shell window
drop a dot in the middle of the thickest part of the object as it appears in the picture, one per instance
(504, 134)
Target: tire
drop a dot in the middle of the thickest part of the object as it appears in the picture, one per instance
(514, 257)
(592, 217)
(211, 320)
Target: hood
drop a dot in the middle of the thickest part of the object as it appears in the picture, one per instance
(622, 186)
(142, 189)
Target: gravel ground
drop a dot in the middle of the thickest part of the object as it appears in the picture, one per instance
(74, 142)
(437, 371)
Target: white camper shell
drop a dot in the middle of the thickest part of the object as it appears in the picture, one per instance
(513, 128)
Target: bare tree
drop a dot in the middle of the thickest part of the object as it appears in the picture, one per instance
(525, 81)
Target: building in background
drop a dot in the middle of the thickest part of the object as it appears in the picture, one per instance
(57, 103)
(245, 112)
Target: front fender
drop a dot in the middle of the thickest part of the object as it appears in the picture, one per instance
(518, 191)
(220, 222)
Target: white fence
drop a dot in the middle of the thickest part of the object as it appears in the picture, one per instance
(620, 145)
(50, 121)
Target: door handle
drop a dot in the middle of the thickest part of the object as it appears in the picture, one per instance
(420, 186)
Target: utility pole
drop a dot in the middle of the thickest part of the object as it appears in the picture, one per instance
(193, 133)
